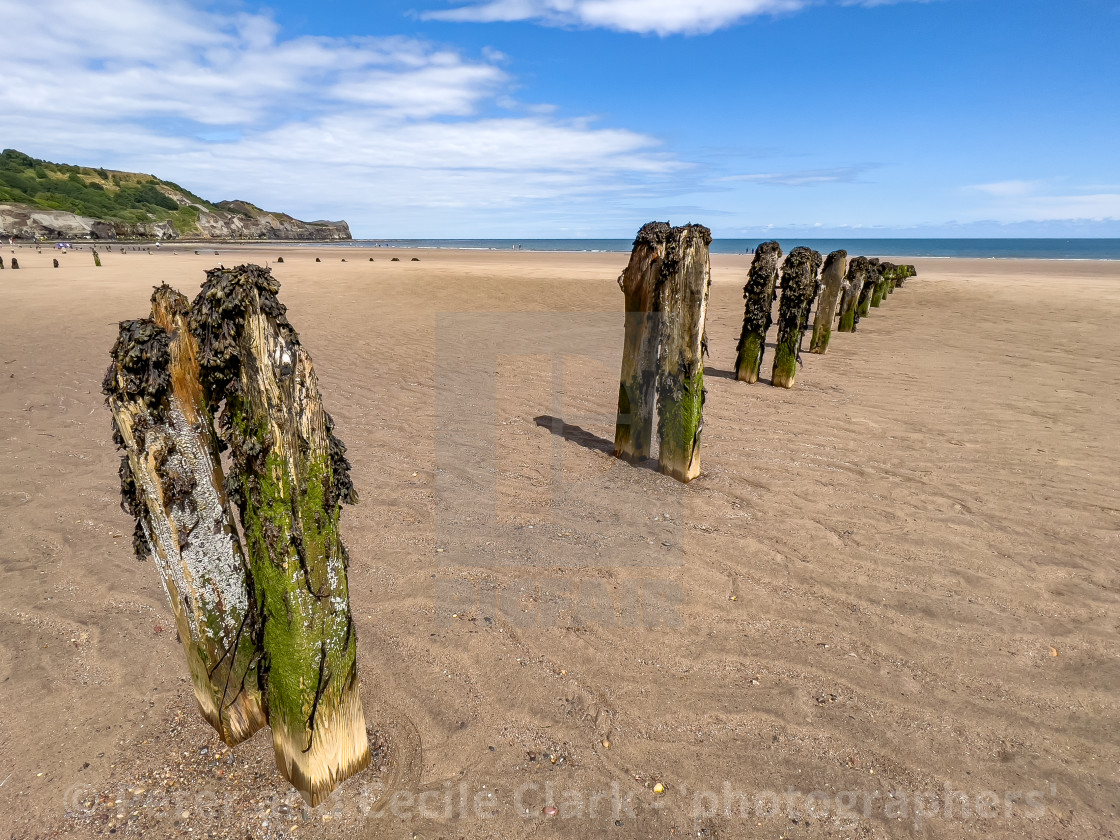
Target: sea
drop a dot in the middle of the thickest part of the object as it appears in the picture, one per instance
(1036, 249)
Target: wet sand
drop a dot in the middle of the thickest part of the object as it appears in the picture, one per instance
(899, 576)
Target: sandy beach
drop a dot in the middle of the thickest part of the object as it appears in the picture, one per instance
(888, 608)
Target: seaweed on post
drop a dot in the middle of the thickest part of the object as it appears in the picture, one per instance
(854, 282)
(886, 277)
(869, 286)
(171, 483)
(637, 387)
(798, 288)
(684, 287)
(290, 478)
(759, 294)
(832, 281)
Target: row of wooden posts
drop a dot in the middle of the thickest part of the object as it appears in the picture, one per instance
(251, 554)
(666, 285)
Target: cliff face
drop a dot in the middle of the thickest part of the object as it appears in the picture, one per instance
(39, 199)
(24, 222)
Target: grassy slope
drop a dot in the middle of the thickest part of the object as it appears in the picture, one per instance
(97, 193)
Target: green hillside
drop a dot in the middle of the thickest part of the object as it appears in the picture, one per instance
(98, 193)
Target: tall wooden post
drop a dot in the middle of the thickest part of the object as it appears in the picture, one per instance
(171, 482)
(685, 284)
(798, 287)
(886, 276)
(852, 289)
(96, 258)
(759, 294)
(832, 281)
(815, 263)
(869, 287)
(291, 477)
(637, 388)
(903, 273)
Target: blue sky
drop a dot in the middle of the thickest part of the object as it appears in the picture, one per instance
(523, 118)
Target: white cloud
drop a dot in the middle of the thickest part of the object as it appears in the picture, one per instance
(1025, 201)
(660, 17)
(802, 178)
(384, 130)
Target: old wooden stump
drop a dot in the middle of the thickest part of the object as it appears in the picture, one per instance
(759, 294)
(832, 282)
(272, 637)
(685, 284)
(637, 388)
(798, 288)
(666, 285)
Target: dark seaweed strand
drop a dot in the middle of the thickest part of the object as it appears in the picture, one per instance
(757, 319)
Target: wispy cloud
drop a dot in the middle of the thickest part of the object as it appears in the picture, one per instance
(388, 128)
(1024, 201)
(660, 17)
(803, 178)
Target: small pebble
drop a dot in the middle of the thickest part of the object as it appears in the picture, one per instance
(550, 811)
(659, 788)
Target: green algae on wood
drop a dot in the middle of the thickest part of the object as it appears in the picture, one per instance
(863, 308)
(171, 483)
(684, 287)
(637, 389)
(832, 281)
(886, 276)
(759, 294)
(798, 288)
(852, 289)
(290, 476)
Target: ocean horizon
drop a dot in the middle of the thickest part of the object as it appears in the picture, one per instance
(1044, 249)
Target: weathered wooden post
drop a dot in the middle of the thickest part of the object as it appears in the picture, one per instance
(798, 287)
(853, 288)
(1, 263)
(759, 294)
(55, 262)
(886, 275)
(869, 287)
(904, 273)
(171, 482)
(96, 258)
(15, 263)
(291, 477)
(832, 281)
(637, 387)
(816, 260)
(685, 283)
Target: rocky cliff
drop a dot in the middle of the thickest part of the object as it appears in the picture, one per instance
(39, 199)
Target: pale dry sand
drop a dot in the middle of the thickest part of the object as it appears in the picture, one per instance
(900, 575)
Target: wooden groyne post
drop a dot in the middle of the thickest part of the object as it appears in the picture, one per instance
(854, 281)
(292, 477)
(172, 484)
(832, 282)
(759, 294)
(886, 277)
(798, 288)
(266, 623)
(637, 388)
(685, 284)
(666, 286)
(869, 286)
